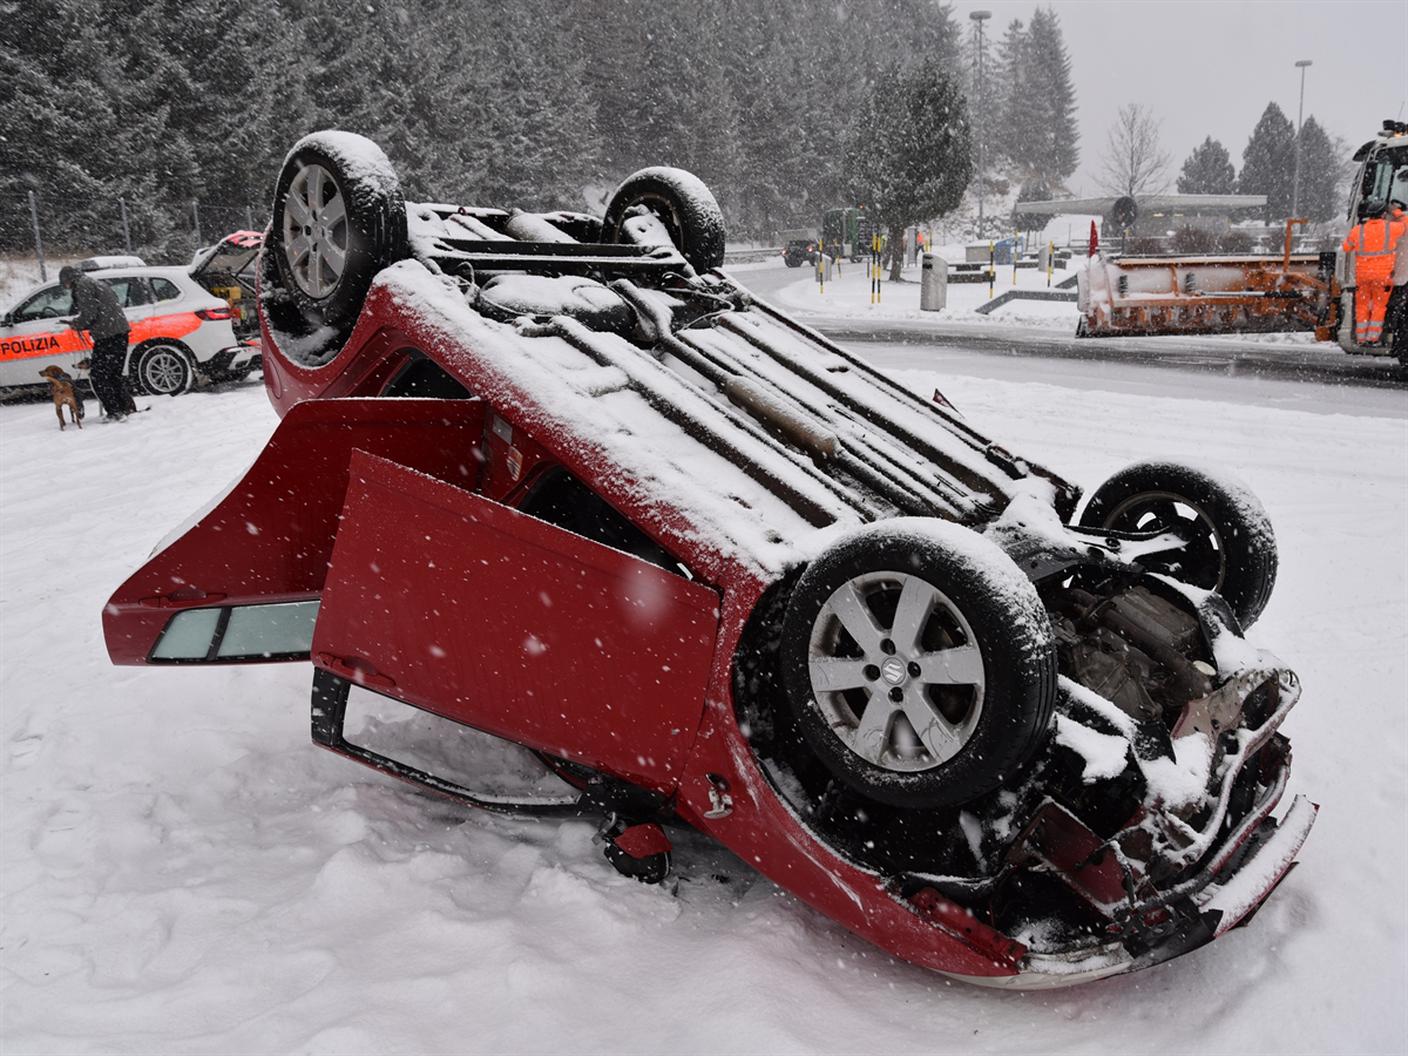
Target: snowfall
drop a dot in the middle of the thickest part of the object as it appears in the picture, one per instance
(183, 872)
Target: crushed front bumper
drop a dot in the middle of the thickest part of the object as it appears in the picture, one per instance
(1221, 902)
(1209, 879)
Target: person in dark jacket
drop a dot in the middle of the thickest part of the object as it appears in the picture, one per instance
(97, 311)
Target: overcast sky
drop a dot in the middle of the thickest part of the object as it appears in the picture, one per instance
(1209, 67)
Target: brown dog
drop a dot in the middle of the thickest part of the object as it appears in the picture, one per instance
(64, 394)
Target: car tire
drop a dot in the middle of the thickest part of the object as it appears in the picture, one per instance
(162, 368)
(915, 590)
(338, 218)
(681, 202)
(1232, 545)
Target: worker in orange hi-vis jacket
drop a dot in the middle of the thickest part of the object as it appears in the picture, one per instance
(1373, 241)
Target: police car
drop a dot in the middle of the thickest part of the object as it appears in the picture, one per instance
(179, 330)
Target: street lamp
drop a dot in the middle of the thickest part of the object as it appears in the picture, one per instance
(980, 17)
(1300, 117)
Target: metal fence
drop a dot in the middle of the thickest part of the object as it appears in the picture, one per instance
(47, 228)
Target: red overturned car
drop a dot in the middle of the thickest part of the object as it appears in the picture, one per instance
(560, 479)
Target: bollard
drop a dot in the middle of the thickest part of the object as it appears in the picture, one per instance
(933, 283)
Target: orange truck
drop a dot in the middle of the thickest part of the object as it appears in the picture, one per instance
(1312, 292)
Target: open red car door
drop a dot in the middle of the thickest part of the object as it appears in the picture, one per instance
(243, 582)
(464, 607)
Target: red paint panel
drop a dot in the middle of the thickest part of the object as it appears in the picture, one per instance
(270, 538)
(490, 617)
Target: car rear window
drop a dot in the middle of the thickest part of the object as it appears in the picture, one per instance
(165, 290)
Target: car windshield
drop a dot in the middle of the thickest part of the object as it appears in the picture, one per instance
(52, 302)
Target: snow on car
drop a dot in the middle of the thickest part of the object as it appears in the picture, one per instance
(178, 329)
(562, 480)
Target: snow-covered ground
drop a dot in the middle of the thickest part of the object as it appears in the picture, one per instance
(182, 872)
(847, 294)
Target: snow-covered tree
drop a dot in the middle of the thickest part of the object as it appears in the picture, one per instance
(1268, 162)
(1052, 100)
(1208, 170)
(1015, 131)
(1322, 174)
(910, 157)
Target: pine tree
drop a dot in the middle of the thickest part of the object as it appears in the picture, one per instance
(1015, 128)
(1051, 99)
(1268, 162)
(910, 156)
(1322, 178)
(1208, 170)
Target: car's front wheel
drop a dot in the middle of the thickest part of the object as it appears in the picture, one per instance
(162, 368)
(919, 663)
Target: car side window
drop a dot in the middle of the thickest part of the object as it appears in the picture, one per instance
(129, 290)
(138, 292)
(565, 502)
(165, 290)
(52, 302)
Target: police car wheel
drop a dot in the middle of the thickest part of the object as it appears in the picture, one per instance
(162, 369)
(338, 218)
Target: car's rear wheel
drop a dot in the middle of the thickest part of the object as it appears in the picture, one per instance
(162, 368)
(919, 663)
(1229, 546)
(338, 218)
(680, 202)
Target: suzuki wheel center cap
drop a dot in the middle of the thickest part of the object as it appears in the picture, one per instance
(893, 670)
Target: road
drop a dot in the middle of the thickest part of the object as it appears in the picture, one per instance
(1275, 371)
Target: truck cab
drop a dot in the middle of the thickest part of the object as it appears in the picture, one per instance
(1382, 175)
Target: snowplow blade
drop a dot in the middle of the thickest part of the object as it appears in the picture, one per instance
(242, 582)
(1205, 295)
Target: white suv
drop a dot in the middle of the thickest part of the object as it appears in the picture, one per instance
(179, 330)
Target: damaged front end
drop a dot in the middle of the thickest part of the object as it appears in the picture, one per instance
(1143, 828)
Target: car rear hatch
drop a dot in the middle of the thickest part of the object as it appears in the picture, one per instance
(226, 269)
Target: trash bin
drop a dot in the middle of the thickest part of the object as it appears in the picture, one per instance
(1043, 257)
(821, 269)
(933, 283)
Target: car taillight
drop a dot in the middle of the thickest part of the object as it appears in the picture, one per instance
(212, 314)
